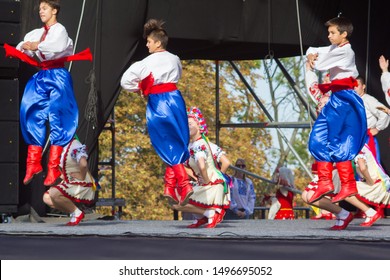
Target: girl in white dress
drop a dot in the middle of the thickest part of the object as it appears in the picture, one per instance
(77, 184)
(211, 194)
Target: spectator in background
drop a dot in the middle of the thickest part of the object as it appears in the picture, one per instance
(242, 195)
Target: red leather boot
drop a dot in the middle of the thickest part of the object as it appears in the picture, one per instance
(53, 166)
(347, 180)
(170, 186)
(33, 167)
(184, 186)
(325, 182)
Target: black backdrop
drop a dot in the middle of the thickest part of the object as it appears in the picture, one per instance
(210, 29)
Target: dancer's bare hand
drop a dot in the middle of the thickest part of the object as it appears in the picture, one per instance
(311, 58)
(30, 46)
(383, 63)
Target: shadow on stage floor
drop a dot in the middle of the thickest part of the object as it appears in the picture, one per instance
(160, 240)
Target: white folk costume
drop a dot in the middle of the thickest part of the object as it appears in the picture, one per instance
(81, 191)
(339, 132)
(375, 119)
(48, 96)
(379, 193)
(214, 195)
(216, 151)
(311, 80)
(166, 117)
(243, 196)
(385, 81)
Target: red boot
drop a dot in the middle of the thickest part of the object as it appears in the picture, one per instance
(170, 186)
(53, 166)
(183, 184)
(325, 182)
(33, 167)
(347, 179)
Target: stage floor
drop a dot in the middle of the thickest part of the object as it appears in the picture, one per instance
(244, 239)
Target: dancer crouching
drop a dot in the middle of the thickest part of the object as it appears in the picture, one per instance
(211, 195)
(77, 184)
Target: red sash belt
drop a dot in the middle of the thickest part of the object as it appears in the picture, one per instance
(337, 85)
(156, 89)
(48, 64)
(147, 87)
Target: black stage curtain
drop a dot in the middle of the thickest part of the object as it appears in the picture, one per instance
(204, 29)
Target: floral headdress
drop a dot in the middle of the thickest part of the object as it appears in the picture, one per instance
(196, 114)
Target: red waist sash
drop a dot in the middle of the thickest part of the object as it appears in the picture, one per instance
(48, 64)
(337, 85)
(147, 87)
(156, 89)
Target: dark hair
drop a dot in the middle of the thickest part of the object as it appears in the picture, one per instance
(55, 4)
(343, 25)
(153, 28)
(361, 79)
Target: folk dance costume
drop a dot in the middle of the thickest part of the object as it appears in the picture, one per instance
(312, 186)
(312, 87)
(339, 132)
(377, 195)
(217, 153)
(282, 203)
(166, 117)
(375, 119)
(213, 195)
(81, 191)
(385, 81)
(48, 96)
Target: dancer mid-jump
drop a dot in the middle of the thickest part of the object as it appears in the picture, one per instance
(156, 77)
(48, 95)
(339, 132)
